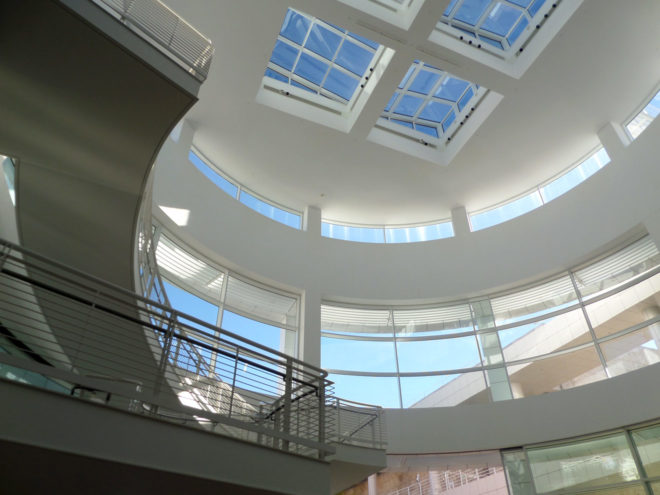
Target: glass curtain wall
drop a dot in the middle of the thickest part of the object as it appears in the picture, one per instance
(590, 323)
(221, 298)
(624, 462)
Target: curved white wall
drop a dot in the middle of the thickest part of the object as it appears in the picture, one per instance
(617, 199)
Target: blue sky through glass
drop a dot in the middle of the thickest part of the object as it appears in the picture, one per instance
(644, 118)
(497, 23)
(320, 57)
(270, 211)
(428, 101)
(212, 175)
(505, 212)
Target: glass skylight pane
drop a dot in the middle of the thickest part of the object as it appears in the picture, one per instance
(408, 105)
(351, 233)
(276, 75)
(498, 23)
(435, 111)
(517, 31)
(451, 88)
(211, 174)
(295, 26)
(315, 50)
(340, 83)
(501, 19)
(354, 57)
(471, 11)
(431, 131)
(424, 82)
(430, 95)
(644, 118)
(575, 176)
(323, 41)
(505, 212)
(284, 55)
(311, 68)
(270, 211)
(364, 40)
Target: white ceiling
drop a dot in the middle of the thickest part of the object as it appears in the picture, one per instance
(601, 66)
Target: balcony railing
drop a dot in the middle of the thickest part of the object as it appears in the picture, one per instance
(82, 336)
(163, 28)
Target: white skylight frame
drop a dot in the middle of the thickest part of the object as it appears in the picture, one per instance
(545, 25)
(400, 13)
(442, 149)
(325, 108)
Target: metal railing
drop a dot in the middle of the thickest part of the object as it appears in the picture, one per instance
(445, 481)
(166, 30)
(108, 345)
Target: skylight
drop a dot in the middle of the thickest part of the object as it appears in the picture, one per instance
(400, 13)
(321, 58)
(644, 118)
(430, 104)
(502, 24)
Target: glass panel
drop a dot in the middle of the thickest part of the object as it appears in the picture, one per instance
(575, 176)
(644, 118)
(357, 355)
(517, 473)
(295, 26)
(311, 68)
(268, 335)
(561, 372)
(9, 170)
(451, 88)
(505, 212)
(270, 211)
(617, 268)
(284, 55)
(542, 337)
(323, 41)
(213, 176)
(444, 390)
(647, 441)
(253, 302)
(534, 301)
(632, 351)
(583, 464)
(438, 355)
(501, 19)
(188, 303)
(433, 321)
(367, 389)
(350, 233)
(356, 321)
(625, 309)
(340, 84)
(355, 58)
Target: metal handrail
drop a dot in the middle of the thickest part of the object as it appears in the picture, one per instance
(166, 30)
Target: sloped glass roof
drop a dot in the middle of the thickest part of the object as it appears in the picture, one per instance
(430, 101)
(321, 58)
(498, 23)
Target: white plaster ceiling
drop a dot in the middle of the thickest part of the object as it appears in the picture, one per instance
(599, 68)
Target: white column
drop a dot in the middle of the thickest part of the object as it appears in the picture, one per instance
(459, 219)
(310, 329)
(614, 139)
(312, 221)
(371, 485)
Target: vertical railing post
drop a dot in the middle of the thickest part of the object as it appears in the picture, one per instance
(338, 402)
(162, 366)
(286, 417)
(233, 383)
(321, 415)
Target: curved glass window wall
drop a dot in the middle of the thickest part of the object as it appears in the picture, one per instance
(623, 462)
(221, 298)
(9, 170)
(590, 323)
(643, 119)
(542, 194)
(279, 214)
(389, 235)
